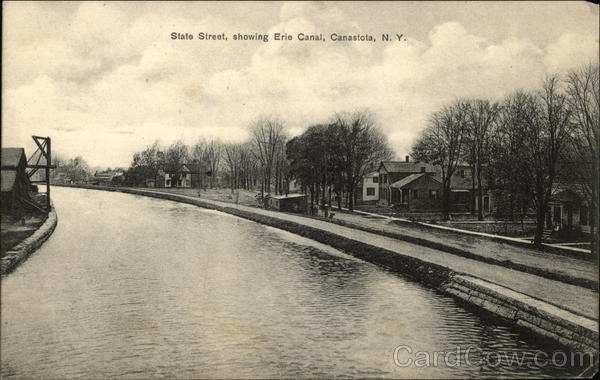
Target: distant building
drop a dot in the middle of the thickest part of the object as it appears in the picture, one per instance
(294, 186)
(391, 172)
(289, 203)
(105, 177)
(567, 209)
(464, 193)
(181, 177)
(15, 183)
(370, 187)
(417, 192)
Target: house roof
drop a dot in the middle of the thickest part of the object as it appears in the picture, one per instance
(406, 167)
(11, 157)
(8, 178)
(568, 191)
(181, 168)
(409, 179)
(289, 196)
(461, 183)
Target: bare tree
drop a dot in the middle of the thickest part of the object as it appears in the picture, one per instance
(213, 154)
(150, 157)
(267, 137)
(510, 173)
(547, 138)
(480, 118)
(176, 155)
(198, 152)
(583, 97)
(441, 144)
(361, 144)
(232, 157)
(542, 122)
(248, 166)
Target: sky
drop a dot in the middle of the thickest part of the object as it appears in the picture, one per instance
(105, 79)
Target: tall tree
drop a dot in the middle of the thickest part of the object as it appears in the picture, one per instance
(546, 139)
(583, 97)
(480, 119)
(198, 161)
(213, 154)
(509, 173)
(361, 144)
(176, 155)
(267, 136)
(232, 156)
(542, 122)
(441, 143)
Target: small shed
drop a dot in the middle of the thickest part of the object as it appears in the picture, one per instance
(289, 203)
(564, 209)
(15, 182)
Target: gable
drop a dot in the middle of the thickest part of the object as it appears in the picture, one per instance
(12, 158)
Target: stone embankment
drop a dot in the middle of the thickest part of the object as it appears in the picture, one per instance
(525, 312)
(24, 249)
(530, 314)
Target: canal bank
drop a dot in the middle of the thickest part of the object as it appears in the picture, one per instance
(563, 312)
(29, 245)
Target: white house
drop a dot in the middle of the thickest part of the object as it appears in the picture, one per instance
(370, 187)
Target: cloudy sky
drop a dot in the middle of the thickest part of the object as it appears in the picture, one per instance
(105, 79)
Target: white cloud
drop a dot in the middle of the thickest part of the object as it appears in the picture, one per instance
(560, 54)
(110, 81)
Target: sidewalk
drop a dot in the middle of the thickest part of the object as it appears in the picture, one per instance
(522, 242)
(566, 268)
(569, 297)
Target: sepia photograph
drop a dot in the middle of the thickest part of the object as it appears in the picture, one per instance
(300, 190)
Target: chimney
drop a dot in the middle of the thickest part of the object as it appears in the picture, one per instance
(407, 158)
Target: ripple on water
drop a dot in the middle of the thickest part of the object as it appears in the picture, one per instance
(135, 287)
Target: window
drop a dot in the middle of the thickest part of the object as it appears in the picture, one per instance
(422, 169)
(375, 179)
(371, 191)
(486, 204)
(168, 183)
(462, 173)
(583, 216)
(385, 178)
(415, 194)
(433, 194)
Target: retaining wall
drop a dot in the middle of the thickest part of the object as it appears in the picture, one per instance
(24, 249)
(533, 315)
(549, 321)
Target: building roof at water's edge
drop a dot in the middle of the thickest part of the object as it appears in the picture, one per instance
(11, 157)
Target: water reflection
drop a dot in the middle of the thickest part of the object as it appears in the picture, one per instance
(136, 287)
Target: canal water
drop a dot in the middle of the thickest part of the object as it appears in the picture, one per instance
(136, 287)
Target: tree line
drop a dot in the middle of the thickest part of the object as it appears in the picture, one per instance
(257, 162)
(326, 160)
(523, 145)
(332, 159)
